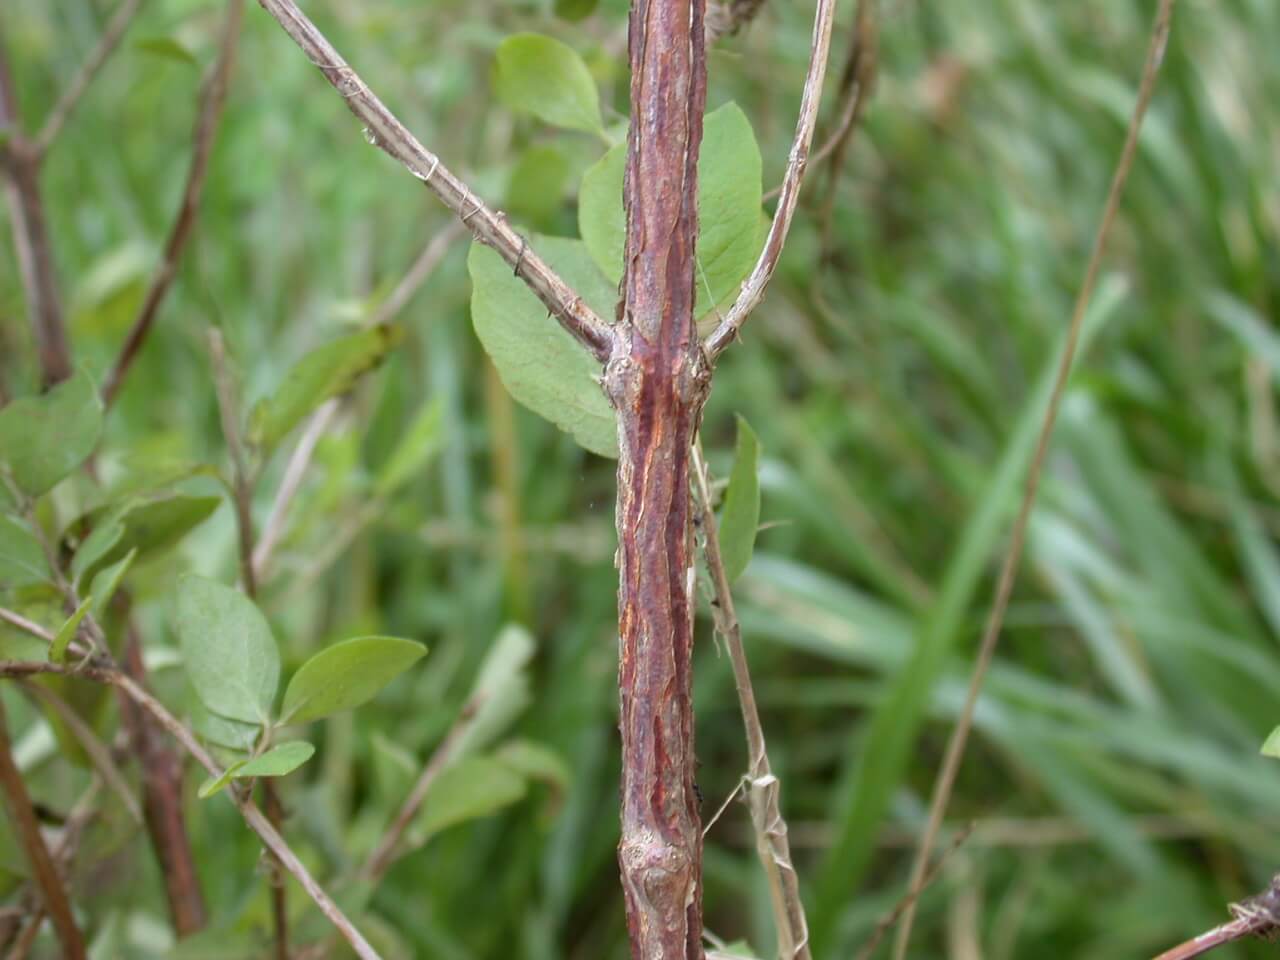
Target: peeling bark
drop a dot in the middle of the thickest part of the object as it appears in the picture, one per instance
(657, 378)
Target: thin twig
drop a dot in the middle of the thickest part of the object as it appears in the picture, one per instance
(23, 818)
(1256, 916)
(753, 289)
(856, 83)
(855, 86)
(97, 752)
(763, 787)
(20, 166)
(29, 626)
(384, 855)
(384, 130)
(96, 670)
(213, 96)
(909, 899)
(418, 274)
(107, 43)
(1013, 554)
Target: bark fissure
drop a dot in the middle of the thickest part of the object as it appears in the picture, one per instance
(657, 379)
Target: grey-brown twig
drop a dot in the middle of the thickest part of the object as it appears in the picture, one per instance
(213, 96)
(45, 871)
(1013, 554)
(383, 129)
(107, 43)
(97, 671)
(762, 785)
(753, 289)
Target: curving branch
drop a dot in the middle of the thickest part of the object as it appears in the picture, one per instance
(385, 131)
(753, 289)
(213, 96)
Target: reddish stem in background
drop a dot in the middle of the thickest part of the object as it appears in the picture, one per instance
(657, 379)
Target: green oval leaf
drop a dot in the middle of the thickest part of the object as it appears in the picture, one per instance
(346, 675)
(67, 632)
(22, 560)
(729, 198)
(230, 654)
(323, 373)
(540, 75)
(473, 787)
(501, 688)
(278, 761)
(740, 517)
(44, 438)
(541, 365)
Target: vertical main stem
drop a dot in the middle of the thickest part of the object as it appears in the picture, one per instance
(657, 379)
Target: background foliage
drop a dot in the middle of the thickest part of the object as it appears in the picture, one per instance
(1120, 796)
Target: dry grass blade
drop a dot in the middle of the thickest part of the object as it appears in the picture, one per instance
(1009, 566)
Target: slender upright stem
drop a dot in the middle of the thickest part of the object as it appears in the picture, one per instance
(23, 817)
(20, 167)
(657, 380)
(763, 787)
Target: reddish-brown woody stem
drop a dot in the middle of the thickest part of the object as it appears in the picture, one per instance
(657, 378)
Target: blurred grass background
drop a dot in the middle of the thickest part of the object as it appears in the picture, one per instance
(1115, 775)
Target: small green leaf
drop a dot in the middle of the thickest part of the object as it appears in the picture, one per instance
(107, 581)
(541, 365)
(67, 632)
(22, 560)
(416, 448)
(278, 761)
(1271, 746)
(216, 784)
(326, 372)
(473, 787)
(729, 198)
(501, 688)
(44, 438)
(540, 75)
(166, 47)
(346, 675)
(230, 654)
(741, 515)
